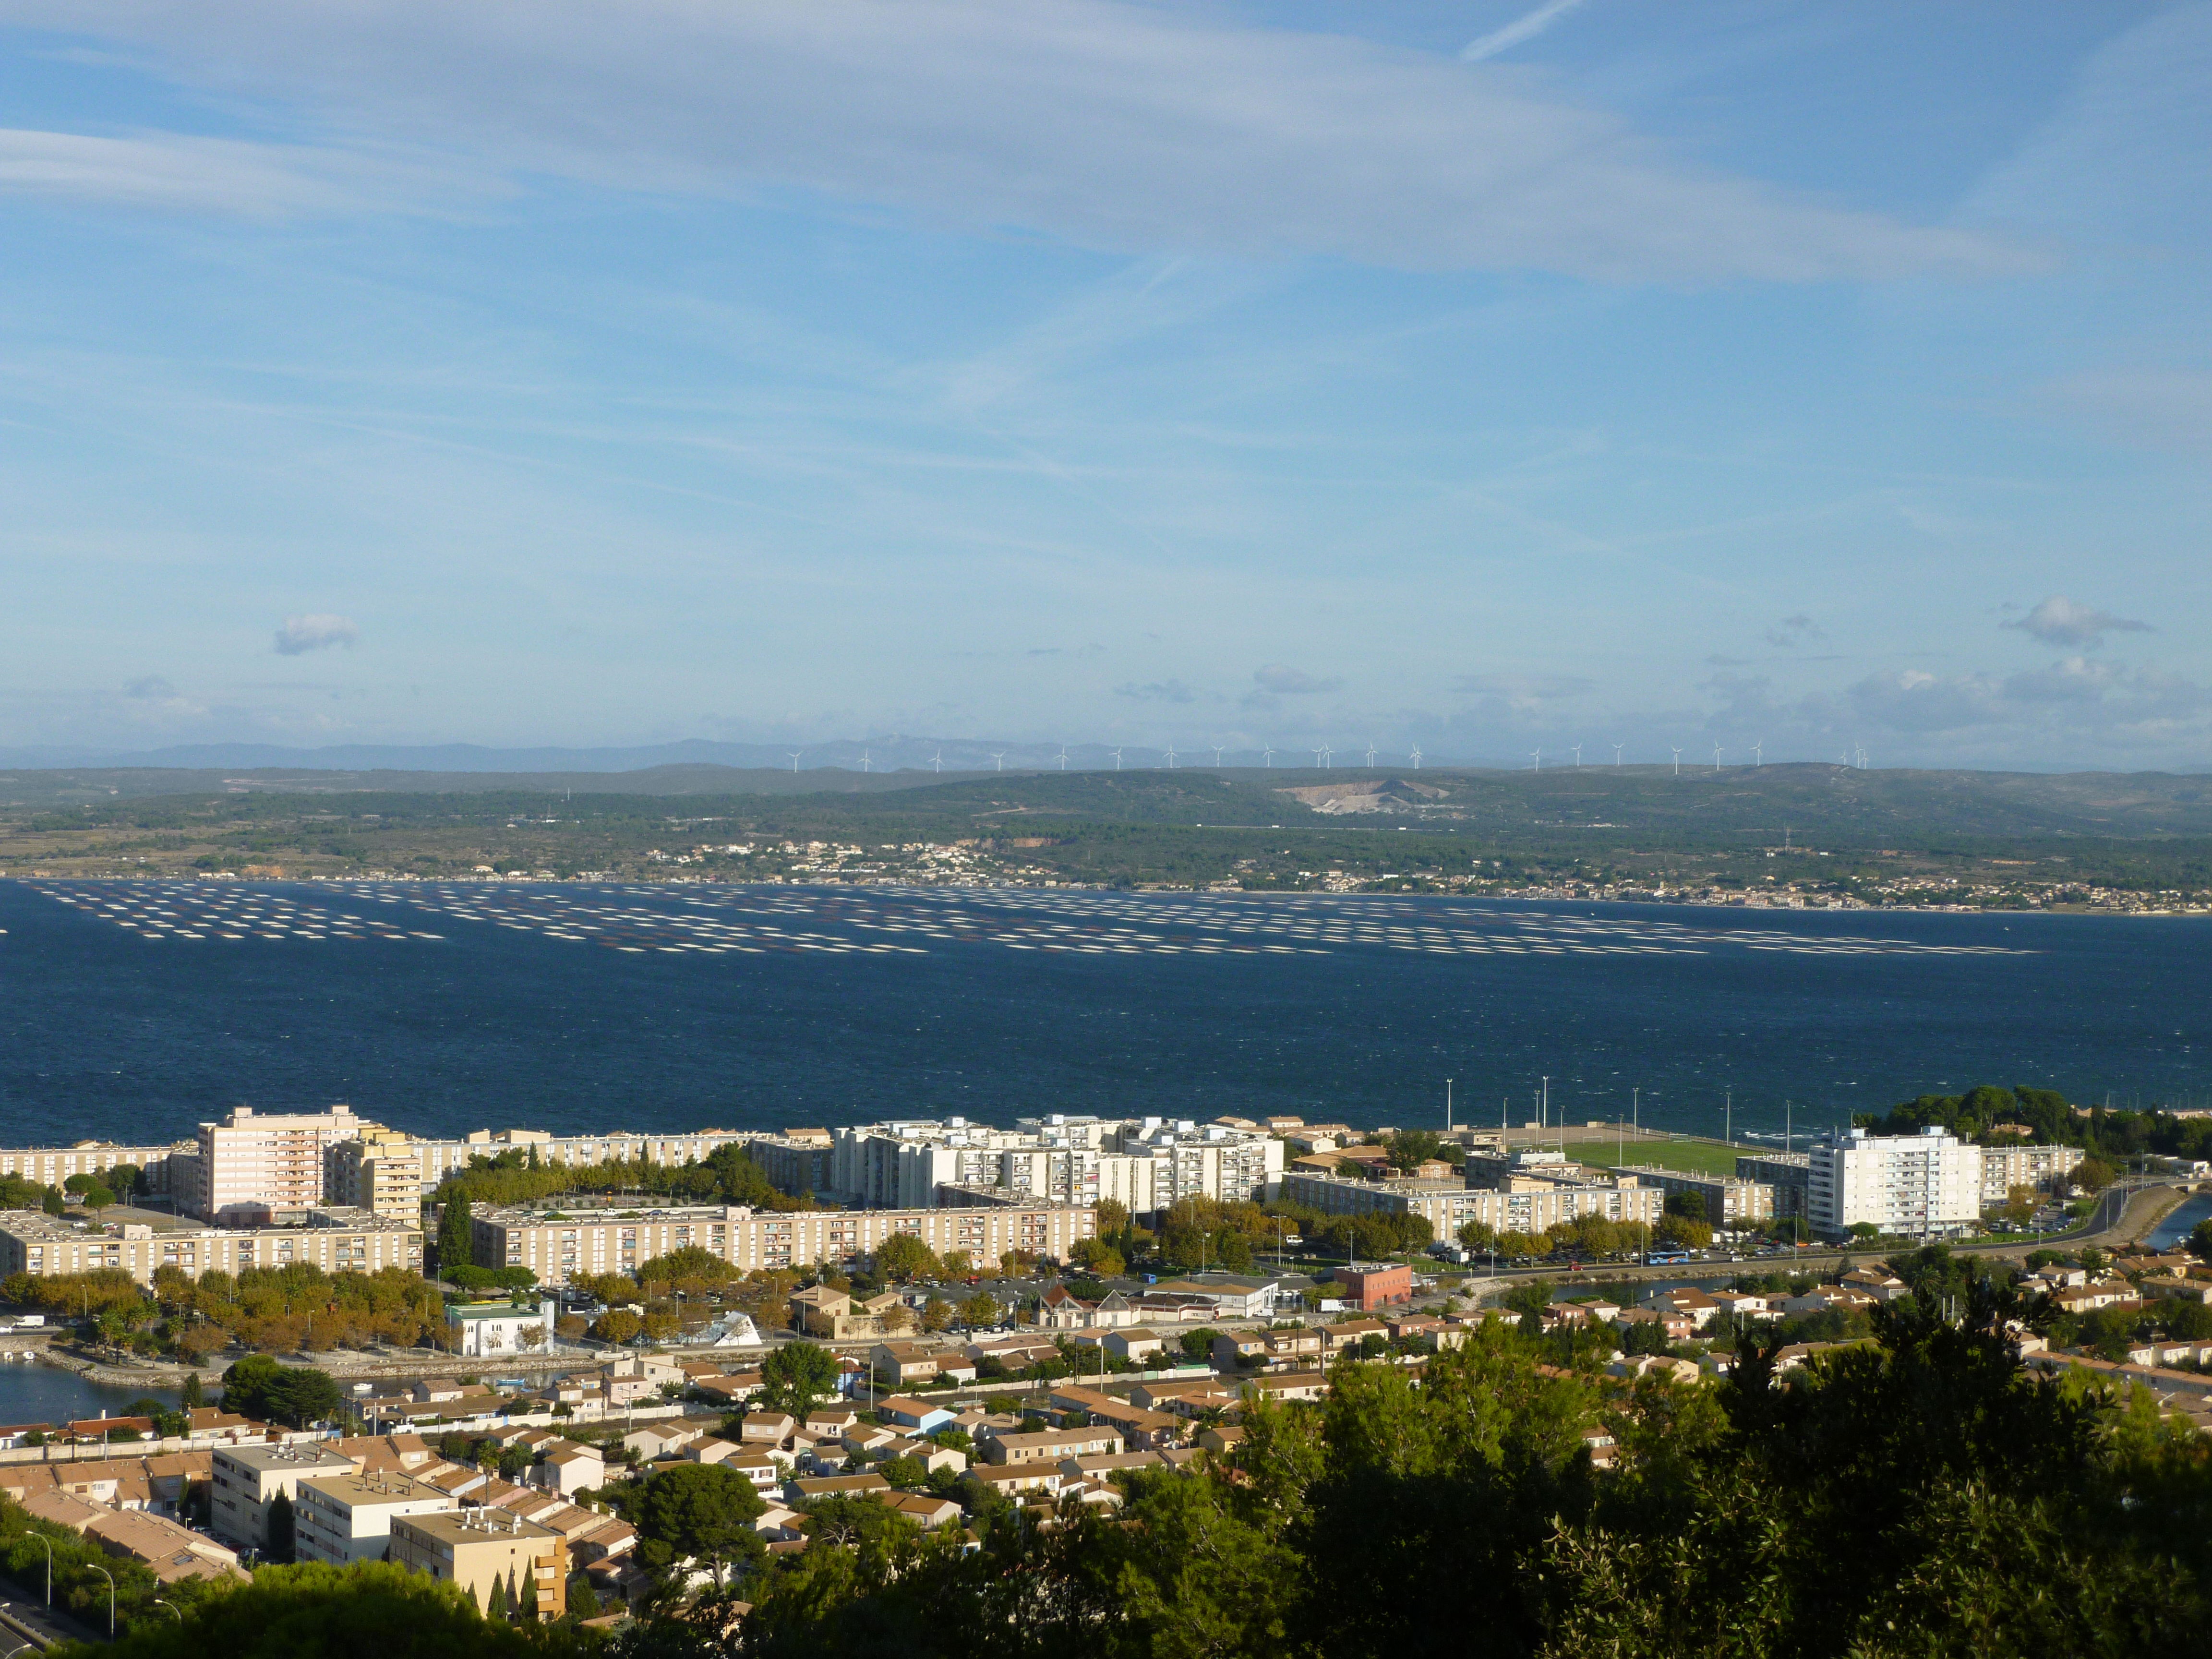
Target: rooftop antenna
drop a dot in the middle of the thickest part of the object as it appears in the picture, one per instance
(1371, 754)
(1678, 761)
(1448, 1122)
(999, 755)
(1117, 760)
(1417, 757)
(1170, 757)
(794, 754)
(1617, 748)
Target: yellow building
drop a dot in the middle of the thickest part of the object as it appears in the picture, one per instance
(484, 1549)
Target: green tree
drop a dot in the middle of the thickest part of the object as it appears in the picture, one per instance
(318, 1611)
(280, 1544)
(981, 1309)
(796, 1375)
(1691, 1206)
(192, 1396)
(2200, 1240)
(699, 1511)
(257, 1386)
(618, 1325)
(2091, 1175)
(902, 1256)
(456, 1240)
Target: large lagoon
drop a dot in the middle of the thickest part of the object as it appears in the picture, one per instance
(136, 1010)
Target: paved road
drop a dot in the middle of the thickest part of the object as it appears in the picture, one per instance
(26, 1621)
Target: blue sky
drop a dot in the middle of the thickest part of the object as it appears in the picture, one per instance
(1488, 377)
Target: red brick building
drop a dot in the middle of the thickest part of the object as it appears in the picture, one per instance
(1367, 1288)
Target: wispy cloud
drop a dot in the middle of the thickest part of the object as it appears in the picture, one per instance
(1111, 124)
(190, 174)
(1792, 631)
(2061, 621)
(301, 635)
(1526, 28)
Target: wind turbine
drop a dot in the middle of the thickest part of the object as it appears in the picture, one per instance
(1717, 758)
(1117, 760)
(1617, 748)
(1063, 758)
(936, 760)
(864, 759)
(794, 754)
(1170, 757)
(1578, 758)
(1678, 761)
(1537, 756)
(1321, 756)
(1217, 757)
(1758, 754)
(1417, 757)
(1268, 756)
(1371, 754)
(999, 755)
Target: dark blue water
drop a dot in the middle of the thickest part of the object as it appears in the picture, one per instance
(572, 1008)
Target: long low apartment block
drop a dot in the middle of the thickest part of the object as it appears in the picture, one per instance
(335, 1240)
(572, 1241)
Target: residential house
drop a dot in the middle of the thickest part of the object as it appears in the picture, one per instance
(340, 1519)
(921, 1416)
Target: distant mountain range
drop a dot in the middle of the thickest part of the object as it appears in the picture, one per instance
(894, 752)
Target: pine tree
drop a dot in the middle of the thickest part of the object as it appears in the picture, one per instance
(455, 1246)
(497, 1605)
(190, 1398)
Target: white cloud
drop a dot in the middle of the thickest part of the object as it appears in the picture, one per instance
(301, 635)
(2061, 621)
(1113, 126)
(196, 175)
(1157, 691)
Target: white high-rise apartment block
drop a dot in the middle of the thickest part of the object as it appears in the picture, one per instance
(1144, 1164)
(1909, 1186)
(273, 1160)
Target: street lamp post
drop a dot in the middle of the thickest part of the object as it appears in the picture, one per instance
(49, 1543)
(110, 1576)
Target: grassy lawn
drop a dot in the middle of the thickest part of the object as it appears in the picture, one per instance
(1702, 1156)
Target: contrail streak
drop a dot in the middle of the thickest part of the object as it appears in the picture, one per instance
(1520, 29)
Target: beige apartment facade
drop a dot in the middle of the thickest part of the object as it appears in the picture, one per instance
(51, 1166)
(336, 1241)
(270, 1158)
(567, 1243)
(484, 1549)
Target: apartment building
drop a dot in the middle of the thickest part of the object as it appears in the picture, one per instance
(380, 1169)
(1144, 1164)
(335, 1240)
(1913, 1186)
(1787, 1173)
(1524, 1207)
(483, 1550)
(576, 1239)
(798, 1161)
(340, 1519)
(2043, 1168)
(247, 1480)
(1728, 1200)
(51, 1166)
(270, 1159)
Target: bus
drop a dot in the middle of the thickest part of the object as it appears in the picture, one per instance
(1666, 1258)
